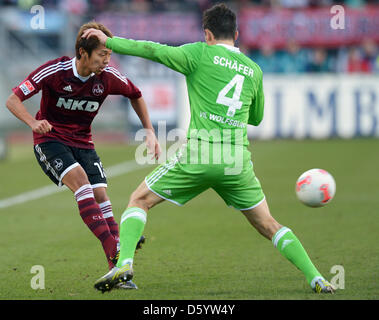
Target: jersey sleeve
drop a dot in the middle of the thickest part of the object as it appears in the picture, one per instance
(28, 87)
(121, 85)
(183, 59)
(257, 106)
(32, 84)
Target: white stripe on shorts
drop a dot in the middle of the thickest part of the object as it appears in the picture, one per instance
(161, 172)
(74, 165)
(159, 195)
(254, 206)
(42, 158)
(99, 185)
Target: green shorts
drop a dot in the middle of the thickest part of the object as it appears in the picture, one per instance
(193, 170)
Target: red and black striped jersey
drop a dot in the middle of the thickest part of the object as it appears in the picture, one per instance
(69, 101)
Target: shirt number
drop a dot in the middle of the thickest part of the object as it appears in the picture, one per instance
(99, 165)
(233, 103)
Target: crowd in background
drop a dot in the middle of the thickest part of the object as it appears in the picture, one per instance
(295, 59)
(169, 5)
(156, 5)
(359, 58)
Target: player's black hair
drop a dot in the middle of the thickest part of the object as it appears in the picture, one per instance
(91, 43)
(221, 21)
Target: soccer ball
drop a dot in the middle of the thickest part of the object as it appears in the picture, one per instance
(315, 188)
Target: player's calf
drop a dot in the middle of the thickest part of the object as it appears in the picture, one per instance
(261, 219)
(92, 216)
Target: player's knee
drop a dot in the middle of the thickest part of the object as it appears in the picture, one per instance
(134, 196)
(75, 178)
(138, 199)
(76, 184)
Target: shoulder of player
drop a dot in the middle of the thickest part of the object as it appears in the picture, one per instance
(195, 50)
(252, 64)
(198, 44)
(194, 46)
(51, 68)
(257, 68)
(114, 74)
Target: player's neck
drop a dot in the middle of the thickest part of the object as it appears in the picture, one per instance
(227, 42)
(82, 70)
(214, 42)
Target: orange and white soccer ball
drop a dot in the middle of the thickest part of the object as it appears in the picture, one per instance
(315, 188)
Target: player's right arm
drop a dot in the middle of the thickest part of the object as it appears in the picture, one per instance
(257, 106)
(183, 59)
(15, 105)
(28, 88)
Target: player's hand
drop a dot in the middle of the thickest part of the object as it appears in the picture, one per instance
(41, 126)
(95, 33)
(152, 144)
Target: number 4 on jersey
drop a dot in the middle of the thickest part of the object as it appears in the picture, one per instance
(233, 103)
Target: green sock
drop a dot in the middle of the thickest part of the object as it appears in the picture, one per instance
(290, 247)
(132, 224)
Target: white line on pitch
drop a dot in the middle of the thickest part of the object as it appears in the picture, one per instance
(113, 171)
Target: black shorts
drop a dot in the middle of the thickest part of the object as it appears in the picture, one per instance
(56, 159)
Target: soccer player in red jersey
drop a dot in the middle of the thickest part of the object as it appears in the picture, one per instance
(73, 90)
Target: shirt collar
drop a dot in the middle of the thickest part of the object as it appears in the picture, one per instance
(231, 48)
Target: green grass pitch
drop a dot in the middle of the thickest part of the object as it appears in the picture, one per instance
(203, 250)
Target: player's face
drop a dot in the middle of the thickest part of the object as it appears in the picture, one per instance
(99, 59)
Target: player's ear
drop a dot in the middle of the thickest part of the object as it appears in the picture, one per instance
(236, 35)
(83, 53)
(209, 37)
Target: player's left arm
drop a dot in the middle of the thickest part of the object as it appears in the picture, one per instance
(121, 85)
(152, 144)
(257, 106)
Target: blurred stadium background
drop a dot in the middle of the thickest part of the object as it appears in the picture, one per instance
(322, 93)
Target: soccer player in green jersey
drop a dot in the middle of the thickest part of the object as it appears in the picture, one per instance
(225, 93)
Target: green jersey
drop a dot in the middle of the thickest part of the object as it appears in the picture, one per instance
(224, 86)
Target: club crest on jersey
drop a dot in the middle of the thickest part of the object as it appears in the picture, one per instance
(98, 89)
(80, 105)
